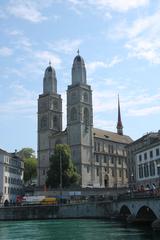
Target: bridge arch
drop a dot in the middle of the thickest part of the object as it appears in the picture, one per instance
(124, 211)
(146, 214)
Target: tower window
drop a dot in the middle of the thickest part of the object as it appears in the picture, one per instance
(43, 123)
(55, 122)
(86, 118)
(85, 96)
(73, 114)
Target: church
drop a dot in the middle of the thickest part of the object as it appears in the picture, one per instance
(99, 155)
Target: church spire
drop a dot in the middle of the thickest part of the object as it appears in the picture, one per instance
(78, 70)
(119, 123)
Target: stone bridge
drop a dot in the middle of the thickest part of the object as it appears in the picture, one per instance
(143, 209)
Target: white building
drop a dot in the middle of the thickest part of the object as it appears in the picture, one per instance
(99, 155)
(11, 180)
(144, 161)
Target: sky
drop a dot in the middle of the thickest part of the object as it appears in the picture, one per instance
(119, 41)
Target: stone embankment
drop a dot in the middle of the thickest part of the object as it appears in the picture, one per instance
(64, 211)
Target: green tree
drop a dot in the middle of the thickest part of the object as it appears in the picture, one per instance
(25, 153)
(30, 163)
(62, 167)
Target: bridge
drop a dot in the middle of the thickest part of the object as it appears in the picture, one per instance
(139, 208)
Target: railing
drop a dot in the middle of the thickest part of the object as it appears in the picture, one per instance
(140, 195)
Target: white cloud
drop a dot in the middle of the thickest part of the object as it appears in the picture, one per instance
(28, 10)
(141, 37)
(100, 64)
(119, 5)
(65, 45)
(23, 101)
(5, 51)
(115, 5)
(144, 111)
(104, 100)
(46, 56)
(104, 124)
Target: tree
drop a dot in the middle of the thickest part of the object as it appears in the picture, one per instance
(62, 167)
(25, 153)
(30, 163)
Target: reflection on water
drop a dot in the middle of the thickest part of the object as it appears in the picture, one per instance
(73, 230)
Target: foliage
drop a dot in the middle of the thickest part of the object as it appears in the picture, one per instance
(30, 169)
(26, 153)
(62, 160)
(30, 163)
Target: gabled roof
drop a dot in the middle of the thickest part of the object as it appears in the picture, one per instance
(111, 136)
(3, 151)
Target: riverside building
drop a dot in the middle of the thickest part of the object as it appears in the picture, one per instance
(144, 162)
(11, 172)
(99, 155)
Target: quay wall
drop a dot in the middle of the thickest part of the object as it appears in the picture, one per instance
(66, 211)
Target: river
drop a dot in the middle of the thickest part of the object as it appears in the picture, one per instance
(73, 230)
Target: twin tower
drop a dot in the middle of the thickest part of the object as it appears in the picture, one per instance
(79, 131)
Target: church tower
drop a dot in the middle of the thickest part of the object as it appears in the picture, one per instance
(119, 123)
(80, 121)
(49, 121)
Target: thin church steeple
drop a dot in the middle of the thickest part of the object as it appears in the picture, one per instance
(119, 123)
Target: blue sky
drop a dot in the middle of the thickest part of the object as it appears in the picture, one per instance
(119, 41)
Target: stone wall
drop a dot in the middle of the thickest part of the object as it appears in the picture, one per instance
(86, 210)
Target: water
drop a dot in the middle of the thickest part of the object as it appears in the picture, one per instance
(72, 230)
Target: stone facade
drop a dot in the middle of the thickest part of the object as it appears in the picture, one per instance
(98, 167)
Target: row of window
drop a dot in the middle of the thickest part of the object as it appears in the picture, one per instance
(148, 169)
(11, 190)
(149, 154)
(113, 172)
(74, 114)
(110, 159)
(12, 161)
(13, 170)
(103, 147)
(107, 171)
(11, 180)
(44, 122)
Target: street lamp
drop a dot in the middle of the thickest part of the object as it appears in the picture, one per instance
(131, 184)
(60, 175)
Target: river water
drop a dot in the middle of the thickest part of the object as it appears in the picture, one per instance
(73, 230)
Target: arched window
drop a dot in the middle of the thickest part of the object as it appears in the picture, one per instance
(73, 114)
(55, 122)
(43, 123)
(85, 97)
(86, 118)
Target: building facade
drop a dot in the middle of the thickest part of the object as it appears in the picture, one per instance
(144, 161)
(11, 172)
(93, 163)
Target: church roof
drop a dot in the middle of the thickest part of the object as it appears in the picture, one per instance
(111, 136)
(50, 69)
(78, 59)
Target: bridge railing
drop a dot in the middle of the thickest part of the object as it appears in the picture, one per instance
(139, 195)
